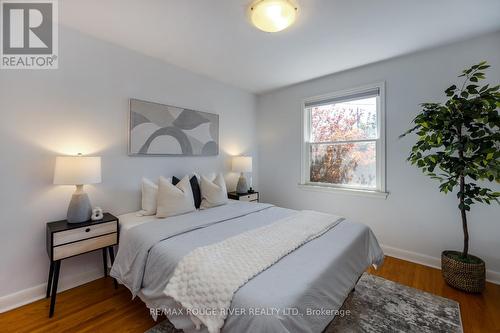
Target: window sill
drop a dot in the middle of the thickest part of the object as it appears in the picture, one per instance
(341, 190)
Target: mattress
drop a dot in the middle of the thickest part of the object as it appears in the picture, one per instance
(300, 293)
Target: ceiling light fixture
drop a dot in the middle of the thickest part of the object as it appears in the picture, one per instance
(273, 15)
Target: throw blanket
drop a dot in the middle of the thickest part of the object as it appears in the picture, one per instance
(205, 280)
(134, 248)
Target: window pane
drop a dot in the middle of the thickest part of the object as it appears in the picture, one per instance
(350, 164)
(352, 120)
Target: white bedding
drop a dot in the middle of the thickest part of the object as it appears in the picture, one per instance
(208, 277)
(318, 275)
(130, 220)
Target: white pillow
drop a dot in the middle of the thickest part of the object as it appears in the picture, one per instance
(174, 200)
(210, 176)
(213, 193)
(149, 197)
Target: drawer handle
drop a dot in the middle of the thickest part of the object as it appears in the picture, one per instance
(87, 230)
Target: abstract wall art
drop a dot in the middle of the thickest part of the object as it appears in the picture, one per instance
(158, 130)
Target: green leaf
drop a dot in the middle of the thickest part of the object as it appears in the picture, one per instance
(461, 138)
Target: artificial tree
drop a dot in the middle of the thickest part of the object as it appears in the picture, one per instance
(459, 144)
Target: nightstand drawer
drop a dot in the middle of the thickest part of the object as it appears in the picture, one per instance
(71, 249)
(77, 234)
(249, 197)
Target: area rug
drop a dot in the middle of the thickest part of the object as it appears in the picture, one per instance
(378, 305)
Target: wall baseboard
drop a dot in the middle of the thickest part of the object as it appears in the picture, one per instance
(32, 294)
(29, 295)
(491, 276)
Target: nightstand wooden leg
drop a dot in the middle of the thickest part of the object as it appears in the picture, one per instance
(51, 275)
(105, 262)
(112, 258)
(111, 255)
(57, 266)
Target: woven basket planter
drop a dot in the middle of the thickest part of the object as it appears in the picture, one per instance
(461, 275)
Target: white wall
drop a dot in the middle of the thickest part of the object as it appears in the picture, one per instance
(83, 107)
(416, 221)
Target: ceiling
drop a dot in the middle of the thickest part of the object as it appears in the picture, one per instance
(214, 37)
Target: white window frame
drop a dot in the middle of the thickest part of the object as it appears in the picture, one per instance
(380, 190)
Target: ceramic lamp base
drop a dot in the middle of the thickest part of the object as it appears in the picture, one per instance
(79, 209)
(242, 186)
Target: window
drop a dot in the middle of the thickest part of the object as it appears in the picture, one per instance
(343, 144)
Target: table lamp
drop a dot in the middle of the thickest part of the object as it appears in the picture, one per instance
(78, 170)
(242, 164)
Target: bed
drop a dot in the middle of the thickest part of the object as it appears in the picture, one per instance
(299, 293)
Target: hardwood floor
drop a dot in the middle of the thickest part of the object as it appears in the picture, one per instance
(98, 307)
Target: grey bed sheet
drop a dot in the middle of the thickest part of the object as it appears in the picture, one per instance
(300, 293)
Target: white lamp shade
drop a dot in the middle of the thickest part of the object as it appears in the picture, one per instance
(242, 164)
(77, 170)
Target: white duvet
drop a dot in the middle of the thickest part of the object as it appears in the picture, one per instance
(205, 281)
(316, 276)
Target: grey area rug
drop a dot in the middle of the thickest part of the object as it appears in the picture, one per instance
(379, 305)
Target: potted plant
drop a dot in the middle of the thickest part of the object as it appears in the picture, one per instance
(459, 145)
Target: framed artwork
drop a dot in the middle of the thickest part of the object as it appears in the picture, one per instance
(164, 130)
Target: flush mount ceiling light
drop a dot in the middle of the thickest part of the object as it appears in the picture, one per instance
(273, 15)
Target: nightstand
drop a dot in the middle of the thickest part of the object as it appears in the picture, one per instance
(65, 240)
(253, 197)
